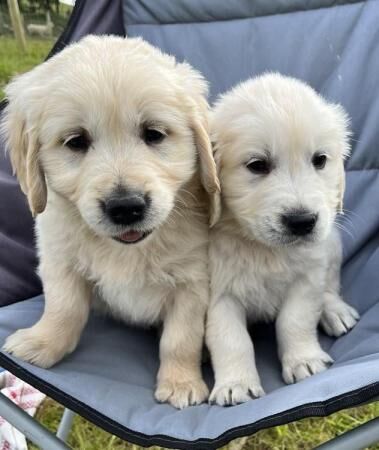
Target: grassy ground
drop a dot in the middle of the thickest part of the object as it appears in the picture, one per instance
(302, 435)
(13, 61)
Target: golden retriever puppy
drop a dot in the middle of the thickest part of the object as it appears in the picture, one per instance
(109, 141)
(275, 253)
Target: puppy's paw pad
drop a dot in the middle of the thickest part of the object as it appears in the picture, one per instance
(297, 368)
(182, 394)
(338, 318)
(237, 392)
(32, 347)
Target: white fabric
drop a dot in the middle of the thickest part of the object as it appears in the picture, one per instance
(26, 397)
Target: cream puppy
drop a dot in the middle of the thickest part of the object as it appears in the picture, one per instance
(275, 253)
(109, 141)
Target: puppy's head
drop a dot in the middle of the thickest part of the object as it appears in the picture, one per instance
(115, 127)
(280, 149)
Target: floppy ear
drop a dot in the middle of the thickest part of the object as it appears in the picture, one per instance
(22, 144)
(196, 88)
(215, 199)
(208, 171)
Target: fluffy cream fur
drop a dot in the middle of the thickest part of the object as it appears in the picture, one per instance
(112, 88)
(258, 271)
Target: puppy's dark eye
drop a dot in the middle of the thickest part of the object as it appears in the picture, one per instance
(259, 166)
(78, 143)
(319, 161)
(152, 136)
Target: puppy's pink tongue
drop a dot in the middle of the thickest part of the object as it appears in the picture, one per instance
(130, 236)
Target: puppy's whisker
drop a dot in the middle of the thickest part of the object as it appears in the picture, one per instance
(344, 229)
(182, 202)
(171, 219)
(345, 217)
(352, 213)
(196, 200)
(177, 213)
(349, 226)
(345, 220)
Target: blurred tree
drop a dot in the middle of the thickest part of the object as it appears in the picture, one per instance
(17, 25)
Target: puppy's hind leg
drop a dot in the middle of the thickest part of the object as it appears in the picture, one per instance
(67, 304)
(337, 316)
(232, 354)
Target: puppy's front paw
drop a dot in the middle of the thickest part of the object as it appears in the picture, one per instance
(38, 348)
(300, 366)
(338, 318)
(236, 392)
(182, 394)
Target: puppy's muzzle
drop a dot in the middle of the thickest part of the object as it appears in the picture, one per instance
(299, 223)
(126, 209)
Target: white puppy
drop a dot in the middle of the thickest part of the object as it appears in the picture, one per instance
(274, 251)
(109, 141)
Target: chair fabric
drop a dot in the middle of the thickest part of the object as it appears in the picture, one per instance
(18, 280)
(334, 46)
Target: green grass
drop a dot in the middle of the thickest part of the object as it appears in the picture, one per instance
(302, 435)
(13, 61)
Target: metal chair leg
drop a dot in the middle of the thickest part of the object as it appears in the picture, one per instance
(356, 439)
(32, 429)
(65, 424)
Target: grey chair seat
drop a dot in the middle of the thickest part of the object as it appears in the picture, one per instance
(110, 380)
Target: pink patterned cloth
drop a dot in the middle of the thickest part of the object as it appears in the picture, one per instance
(25, 397)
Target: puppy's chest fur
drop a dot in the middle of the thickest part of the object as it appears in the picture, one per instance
(129, 285)
(138, 286)
(134, 283)
(257, 276)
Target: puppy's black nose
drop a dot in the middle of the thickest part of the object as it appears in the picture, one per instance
(126, 209)
(299, 223)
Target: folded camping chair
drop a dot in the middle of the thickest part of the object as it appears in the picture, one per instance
(109, 379)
